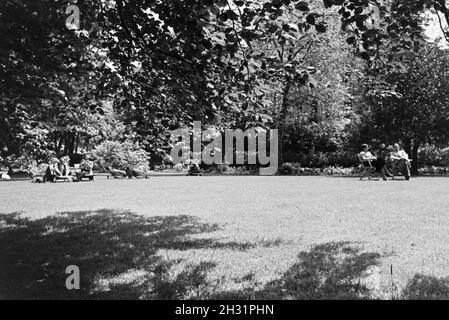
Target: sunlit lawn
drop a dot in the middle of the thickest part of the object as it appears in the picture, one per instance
(224, 237)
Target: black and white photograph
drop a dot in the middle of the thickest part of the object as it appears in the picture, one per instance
(224, 155)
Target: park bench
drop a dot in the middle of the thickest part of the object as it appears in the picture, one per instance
(62, 178)
(38, 176)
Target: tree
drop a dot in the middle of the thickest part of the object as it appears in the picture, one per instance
(319, 117)
(51, 93)
(418, 112)
(207, 60)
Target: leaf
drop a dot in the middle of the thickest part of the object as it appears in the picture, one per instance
(302, 6)
(310, 19)
(328, 3)
(351, 40)
(365, 56)
(321, 28)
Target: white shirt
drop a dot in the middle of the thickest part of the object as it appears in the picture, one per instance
(401, 154)
(366, 155)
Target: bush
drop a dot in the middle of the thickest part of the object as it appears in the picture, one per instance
(432, 170)
(121, 156)
(432, 156)
(344, 159)
(18, 163)
(297, 170)
(289, 168)
(340, 171)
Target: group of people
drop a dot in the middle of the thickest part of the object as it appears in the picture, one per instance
(395, 156)
(60, 169)
(57, 169)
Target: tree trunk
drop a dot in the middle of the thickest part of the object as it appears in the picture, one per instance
(72, 143)
(66, 143)
(58, 148)
(415, 165)
(283, 119)
(77, 143)
(408, 146)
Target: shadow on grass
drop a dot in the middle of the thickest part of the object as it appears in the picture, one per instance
(118, 256)
(422, 287)
(116, 252)
(336, 270)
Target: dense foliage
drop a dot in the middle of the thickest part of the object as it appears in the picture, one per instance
(120, 156)
(133, 70)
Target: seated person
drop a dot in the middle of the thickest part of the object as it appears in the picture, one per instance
(63, 167)
(131, 173)
(378, 163)
(384, 154)
(52, 170)
(194, 168)
(86, 167)
(400, 161)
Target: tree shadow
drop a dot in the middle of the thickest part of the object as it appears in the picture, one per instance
(116, 252)
(118, 255)
(336, 270)
(422, 287)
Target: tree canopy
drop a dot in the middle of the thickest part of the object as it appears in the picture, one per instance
(134, 70)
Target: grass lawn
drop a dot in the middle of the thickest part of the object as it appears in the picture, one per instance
(226, 237)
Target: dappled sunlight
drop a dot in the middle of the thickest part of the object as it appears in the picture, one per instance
(337, 270)
(116, 251)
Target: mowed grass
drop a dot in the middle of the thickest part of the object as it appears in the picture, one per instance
(226, 237)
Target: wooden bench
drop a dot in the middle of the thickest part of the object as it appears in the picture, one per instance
(63, 178)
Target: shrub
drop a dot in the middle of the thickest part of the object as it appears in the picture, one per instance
(121, 156)
(18, 163)
(432, 170)
(289, 168)
(346, 159)
(432, 156)
(340, 171)
(297, 169)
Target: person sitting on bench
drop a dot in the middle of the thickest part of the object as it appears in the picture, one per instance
(401, 161)
(63, 168)
(52, 170)
(378, 162)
